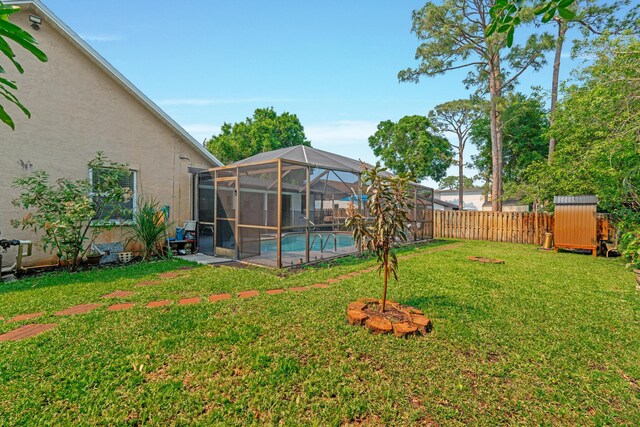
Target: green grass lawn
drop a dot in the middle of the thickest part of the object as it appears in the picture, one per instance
(546, 338)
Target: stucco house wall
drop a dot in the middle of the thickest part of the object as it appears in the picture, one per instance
(473, 198)
(79, 107)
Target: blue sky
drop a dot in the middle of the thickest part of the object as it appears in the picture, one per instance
(333, 63)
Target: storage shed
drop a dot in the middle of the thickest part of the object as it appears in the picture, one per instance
(575, 223)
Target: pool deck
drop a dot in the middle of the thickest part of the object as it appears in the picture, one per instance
(290, 259)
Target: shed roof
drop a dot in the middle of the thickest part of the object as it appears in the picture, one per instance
(575, 200)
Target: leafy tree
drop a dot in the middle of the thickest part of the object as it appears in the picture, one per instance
(390, 202)
(452, 182)
(525, 136)
(409, 147)
(457, 117)
(263, 132)
(506, 15)
(453, 37)
(597, 127)
(63, 212)
(25, 40)
(592, 17)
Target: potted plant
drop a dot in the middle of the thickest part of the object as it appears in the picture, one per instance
(93, 257)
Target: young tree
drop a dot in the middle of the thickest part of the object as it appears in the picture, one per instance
(389, 203)
(409, 147)
(26, 41)
(265, 131)
(457, 117)
(453, 37)
(64, 212)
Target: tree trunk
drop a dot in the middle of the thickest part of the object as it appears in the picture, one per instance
(460, 176)
(495, 92)
(562, 30)
(386, 279)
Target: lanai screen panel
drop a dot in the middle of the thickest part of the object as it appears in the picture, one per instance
(257, 213)
(422, 218)
(315, 203)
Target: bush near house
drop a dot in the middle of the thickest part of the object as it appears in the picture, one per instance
(63, 213)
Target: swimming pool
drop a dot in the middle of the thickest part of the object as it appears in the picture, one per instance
(297, 242)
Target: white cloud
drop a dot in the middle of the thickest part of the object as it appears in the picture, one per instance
(346, 137)
(199, 102)
(340, 132)
(101, 37)
(201, 131)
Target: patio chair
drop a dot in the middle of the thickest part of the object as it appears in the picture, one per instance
(612, 246)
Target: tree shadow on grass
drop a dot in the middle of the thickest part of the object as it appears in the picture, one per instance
(106, 274)
(445, 306)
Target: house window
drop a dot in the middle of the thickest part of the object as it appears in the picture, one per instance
(115, 211)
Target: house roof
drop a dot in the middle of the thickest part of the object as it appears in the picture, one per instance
(96, 58)
(507, 202)
(471, 190)
(445, 203)
(575, 200)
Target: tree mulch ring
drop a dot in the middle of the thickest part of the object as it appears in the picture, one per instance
(400, 319)
(486, 260)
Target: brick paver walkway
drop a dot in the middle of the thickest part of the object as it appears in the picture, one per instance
(30, 330)
(22, 317)
(26, 331)
(248, 294)
(148, 283)
(219, 297)
(159, 303)
(169, 275)
(120, 307)
(119, 294)
(78, 309)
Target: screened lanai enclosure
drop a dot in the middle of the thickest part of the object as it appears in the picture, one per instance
(288, 207)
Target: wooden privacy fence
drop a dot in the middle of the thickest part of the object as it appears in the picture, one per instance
(514, 227)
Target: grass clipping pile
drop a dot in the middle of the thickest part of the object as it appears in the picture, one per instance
(400, 319)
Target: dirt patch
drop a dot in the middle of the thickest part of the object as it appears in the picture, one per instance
(485, 260)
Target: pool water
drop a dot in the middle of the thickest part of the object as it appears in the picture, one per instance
(298, 242)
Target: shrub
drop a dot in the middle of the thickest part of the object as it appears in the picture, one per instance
(64, 212)
(630, 245)
(149, 227)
